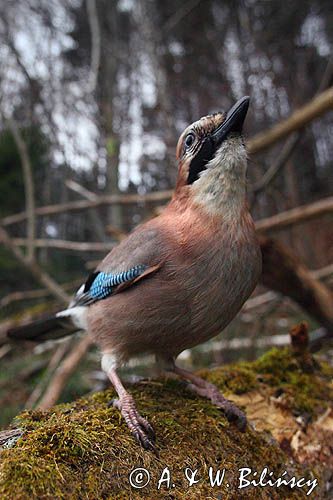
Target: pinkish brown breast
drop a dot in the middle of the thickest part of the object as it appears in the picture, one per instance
(210, 268)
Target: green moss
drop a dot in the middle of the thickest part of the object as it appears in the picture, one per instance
(305, 391)
(302, 390)
(276, 364)
(236, 379)
(84, 449)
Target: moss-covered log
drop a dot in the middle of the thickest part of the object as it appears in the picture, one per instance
(84, 449)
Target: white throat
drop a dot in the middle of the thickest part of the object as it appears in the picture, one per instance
(221, 188)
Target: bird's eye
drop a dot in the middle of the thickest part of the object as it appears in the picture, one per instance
(190, 138)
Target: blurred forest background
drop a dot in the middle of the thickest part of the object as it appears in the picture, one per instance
(93, 97)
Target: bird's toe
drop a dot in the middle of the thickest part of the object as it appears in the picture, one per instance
(234, 414)
(142, 431)
(138, 425)
(148, 428)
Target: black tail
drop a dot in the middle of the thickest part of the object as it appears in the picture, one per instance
(42, 329)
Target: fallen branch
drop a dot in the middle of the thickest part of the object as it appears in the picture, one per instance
(81, 190)
(284, 219)
(284, 272)
(323, 272)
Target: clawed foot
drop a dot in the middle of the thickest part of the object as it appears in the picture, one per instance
(231, 411)
(139, 426)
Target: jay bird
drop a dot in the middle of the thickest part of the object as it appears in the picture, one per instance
(178, 279)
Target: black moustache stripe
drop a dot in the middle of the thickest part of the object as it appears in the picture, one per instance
(199, 162)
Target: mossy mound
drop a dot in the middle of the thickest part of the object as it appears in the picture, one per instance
(84, 449)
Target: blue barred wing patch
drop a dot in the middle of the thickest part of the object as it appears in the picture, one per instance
(101, 285)
(104, 283)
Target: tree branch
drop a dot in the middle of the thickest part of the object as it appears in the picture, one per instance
(276, 166)
(295, 215)
(299, 119)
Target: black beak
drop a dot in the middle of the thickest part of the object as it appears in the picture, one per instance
(233, 121)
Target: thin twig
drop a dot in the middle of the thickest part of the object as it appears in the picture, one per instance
(76, 246)
(28, 186)
(276, 166)
(283, 219)
(81, 190)
(180, 13)
(77, 206)
(53, 364)
(63, 372)
(40, 275)
(34, 294)
(96, 221)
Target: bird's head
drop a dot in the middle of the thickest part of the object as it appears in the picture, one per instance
(212, 159)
